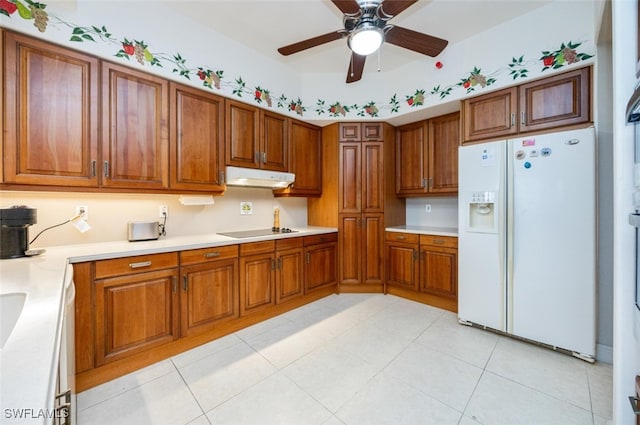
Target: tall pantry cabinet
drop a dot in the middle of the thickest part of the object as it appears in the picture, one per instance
(358, 197)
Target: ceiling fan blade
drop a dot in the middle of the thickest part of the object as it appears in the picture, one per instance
(356, 66)
(347, 6)
(416, 41)
(394, 7)
(311, 42)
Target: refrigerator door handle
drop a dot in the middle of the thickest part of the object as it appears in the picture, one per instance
(509, 226)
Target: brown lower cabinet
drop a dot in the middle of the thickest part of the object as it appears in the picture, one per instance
(134, 311)
(423, 268)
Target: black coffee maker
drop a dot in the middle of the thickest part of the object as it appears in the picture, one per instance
(14, 230)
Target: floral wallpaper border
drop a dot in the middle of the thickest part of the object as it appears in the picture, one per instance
(134, 49)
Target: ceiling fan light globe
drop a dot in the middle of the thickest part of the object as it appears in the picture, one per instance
(366, 40)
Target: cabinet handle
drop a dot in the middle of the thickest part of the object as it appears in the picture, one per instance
(106, 169)
(430, 183)
(522, 116)
(175, 285)
(140, 264)
(513, 119)
(221, 177)
(211, 254)
(264, 157)
(424, 183)
(185, 283)
(401, 237)
(308, 257)
(256, 157)
(273, 264)
(415, 254)
(437, 241)
(279, 266)
(93, 168)
(635, 405)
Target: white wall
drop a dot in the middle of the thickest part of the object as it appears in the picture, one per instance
(110, 213)
(444, 211)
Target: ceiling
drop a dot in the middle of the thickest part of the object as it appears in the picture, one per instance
(265, 25)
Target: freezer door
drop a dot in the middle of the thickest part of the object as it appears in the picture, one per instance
(481, 226)
(552, 249)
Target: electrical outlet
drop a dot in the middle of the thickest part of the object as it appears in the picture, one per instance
(83, 212)
(427, 208)
(163, 211)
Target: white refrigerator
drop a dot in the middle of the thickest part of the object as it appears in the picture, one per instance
(527, 238)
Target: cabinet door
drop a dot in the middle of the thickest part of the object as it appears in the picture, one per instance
(257, 282)
(438, 271)
(372, 132)
(320, 266)
(50, 114)
(444, 138)
(274, 141)
(372, 248)
(197, 144)
(411, 159)
(350, 178)
(372, 190)
(135, 138)
(242, 134)
(209, 295)
(349, 131)
(556, 101)
(402, 265)
(305, 160)
(350, 245)
(490, 116)
(289, 274)
(134, 313)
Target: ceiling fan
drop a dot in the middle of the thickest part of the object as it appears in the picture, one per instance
(366, 28)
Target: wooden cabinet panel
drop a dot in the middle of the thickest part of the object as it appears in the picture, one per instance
(242, 134)
(197, 139)
(560, 100)
(257, 282)
(490, 116)
(209, 295)
(411, 238)
(350, 248)
(135, 138)
(360, 132)
(321, 265)
(350, 178)
(373, 247)
(135, 312)
(135, 264)
(349, 132)
(305, 160)
(439, 271)
(372, 132)
(84, 324)
(372, 188)
(289, 274)
(320, 239)
(50, 114)
(274, 141)
(444, 139)
(205, 255)
(402, 264)
(411, 159)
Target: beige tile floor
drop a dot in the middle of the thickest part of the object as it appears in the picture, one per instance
(358, 359)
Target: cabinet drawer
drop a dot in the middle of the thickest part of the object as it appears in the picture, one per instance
(195, 256)
(402, 237)
(443, 241)
(136, 264)
(318, 239)
(289, 243)
(257, 247)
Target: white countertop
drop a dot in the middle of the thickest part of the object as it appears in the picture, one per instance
(425, 230)
(29, 358)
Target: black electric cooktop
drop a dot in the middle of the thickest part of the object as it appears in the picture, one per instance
(257, 232)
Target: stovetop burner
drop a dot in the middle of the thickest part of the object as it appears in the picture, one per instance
(257, 232)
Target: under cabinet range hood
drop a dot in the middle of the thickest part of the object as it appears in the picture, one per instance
(251, 177)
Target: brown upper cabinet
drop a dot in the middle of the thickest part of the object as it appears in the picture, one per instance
(135, 129)
(427, 156)
(557, 101)
(305, 160)
(196, 140)
(255, 138)
(360, 132)
(50, 114)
